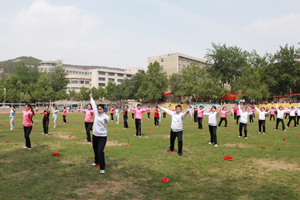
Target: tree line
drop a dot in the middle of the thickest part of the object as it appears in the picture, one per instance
(231, 71)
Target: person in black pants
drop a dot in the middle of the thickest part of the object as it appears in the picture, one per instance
(195, 114)
(27, 123)
(148, 112)
(46, 120)
(292, 114)
(156, 116)
(125, 117)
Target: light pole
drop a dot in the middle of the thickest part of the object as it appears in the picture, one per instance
(4, 96)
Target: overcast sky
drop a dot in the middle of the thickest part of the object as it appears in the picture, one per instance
(124, 33)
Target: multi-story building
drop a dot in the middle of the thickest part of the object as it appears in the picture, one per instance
(89, 76)
(175, 62)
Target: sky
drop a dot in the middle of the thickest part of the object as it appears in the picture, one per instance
(124, 33)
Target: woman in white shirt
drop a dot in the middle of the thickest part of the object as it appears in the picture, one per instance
(243, 121)
(212, 125)
(261, 119)
(99, 134)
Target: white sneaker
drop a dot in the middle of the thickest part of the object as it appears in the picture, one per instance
(25, 147)
(29, 149)
(215, 145)
(209, 142)
(295, 126)
(102, 171)
(93, 164)
(246, 138)
(89, 142)
(43, 133)
(263, 132)
(284, 129)
(239, 136)
(156, 126)
(54, 127)
(134, 135)
(275, 129)
(11, 129)
(85, 140)
(141, 136)
(259, 132)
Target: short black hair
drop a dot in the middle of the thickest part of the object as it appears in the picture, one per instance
(156, 106)
(139, 105)
(102, 106)
(214, 107)
(178, 106)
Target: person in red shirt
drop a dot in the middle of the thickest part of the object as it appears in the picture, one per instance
(235, 112)
(156, 116)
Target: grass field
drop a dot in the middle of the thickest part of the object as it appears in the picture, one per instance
(136, 171)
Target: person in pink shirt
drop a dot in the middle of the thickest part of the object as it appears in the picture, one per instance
(251, 109)
(148, 112)
(223, 116)
(27, 124)
(88, 121)
(112, 113)
(64, 111)
(138, 119)
(272, 113)
(238, 117)
(200, 116)
(132, 112)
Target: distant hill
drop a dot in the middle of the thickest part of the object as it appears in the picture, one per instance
(10, 66)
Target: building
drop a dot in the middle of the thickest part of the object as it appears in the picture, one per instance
(175, 62)
(89, 76)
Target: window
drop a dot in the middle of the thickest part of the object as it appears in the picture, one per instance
(101, 79)
(162, 66)
(74, 81)
(128, 75)
(101, 84)
(67, 71)
(81, 82)
(183, 66)
(162, 60)
(111, 74)
(120, 80)
(140, 71)
(87, 82)
(121, 75)
(111, 79)
(101, 73)
(73, 72)
(179, 66)
(74, 88)
(76, 72)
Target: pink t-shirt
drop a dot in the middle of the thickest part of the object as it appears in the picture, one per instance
(200, 112)
(148, 110)
(64, 112)
(111, 110)
(272, 111)
(138, 112)
(238, 113)
(27, 118)
(89, 115)
(223, 113)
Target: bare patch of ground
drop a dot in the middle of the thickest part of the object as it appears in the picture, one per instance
(237, 145)
(276, 165)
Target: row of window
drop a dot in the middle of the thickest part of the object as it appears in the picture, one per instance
(109, 79)
(113, 74)
(71, 88)
(103, 84)
(80, 82)
(77, 72)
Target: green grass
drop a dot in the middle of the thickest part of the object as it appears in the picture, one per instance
(136, 171)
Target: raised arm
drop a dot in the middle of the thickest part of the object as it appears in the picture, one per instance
(257, 109)
(93, 104)
(167, 110)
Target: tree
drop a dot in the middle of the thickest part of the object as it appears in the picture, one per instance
(60, 94)
(43, 90)
(83, 94)
(227, 62)
(58, 79)
(110, 88)
(287, 68)
(132, 85)
(175, 81)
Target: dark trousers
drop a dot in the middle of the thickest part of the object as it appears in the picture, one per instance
(138, 126)
(213, 134)
(277, 122)
(251, 119)
(237, 119)
(132, 115)
(88, 128)
(272, 116)
(165, 115)
(290, 119)
(195, 116)
(263, 124)
(125, 118)
(234, 115)
(200, 122)
(298, 117)
(173, 136)
(27, 131)
(242, 125)
(98, 146)
(64, 118)
(112, 116)
(156, 123)
(148, 115)
(286, 115)
(223, 119)
(46, 125)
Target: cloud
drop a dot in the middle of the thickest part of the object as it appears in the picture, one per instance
(50, 31)
(283, 27)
